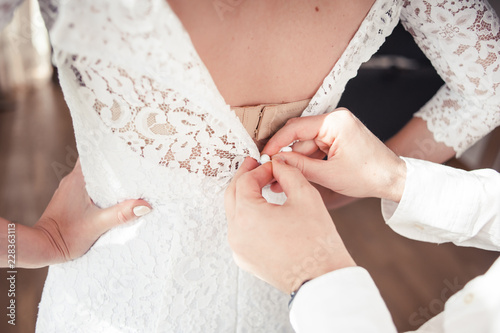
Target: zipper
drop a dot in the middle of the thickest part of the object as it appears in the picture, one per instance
(261, 115)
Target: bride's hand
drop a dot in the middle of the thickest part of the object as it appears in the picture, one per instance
(70, 224)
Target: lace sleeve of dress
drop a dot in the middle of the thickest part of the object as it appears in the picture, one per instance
(7, 8)
(461, 38)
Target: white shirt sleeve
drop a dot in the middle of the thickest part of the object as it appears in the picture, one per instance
(475, 308)
(344, 300)
(439, 204)
(347, 300)
(443, 204)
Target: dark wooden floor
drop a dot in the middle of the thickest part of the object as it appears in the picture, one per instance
(36, 143)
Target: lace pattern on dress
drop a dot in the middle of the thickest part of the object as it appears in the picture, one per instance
(378, 24)
(157, 121)
(461, 38)
(171, 112)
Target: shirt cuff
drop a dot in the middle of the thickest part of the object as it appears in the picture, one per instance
(345, 300)
(439, 203)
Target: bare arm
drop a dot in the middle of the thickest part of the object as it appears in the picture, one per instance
(21, 246)
(67, 229)
(415, 140)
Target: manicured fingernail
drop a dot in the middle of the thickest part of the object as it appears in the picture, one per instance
(141, 210)
(286, 149)
(264, 158)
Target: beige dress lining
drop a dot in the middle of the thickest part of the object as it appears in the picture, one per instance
(262, 121)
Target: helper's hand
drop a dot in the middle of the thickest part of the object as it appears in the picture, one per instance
(70, 224)
(283, 245)
(359, 164)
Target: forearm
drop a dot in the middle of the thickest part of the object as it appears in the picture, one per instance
(416, 141)
(21, 246)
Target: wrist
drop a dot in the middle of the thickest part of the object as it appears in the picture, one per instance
(395, 188)
(34, 248)
(335, 262)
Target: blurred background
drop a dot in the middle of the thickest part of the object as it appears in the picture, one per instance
(37, 148)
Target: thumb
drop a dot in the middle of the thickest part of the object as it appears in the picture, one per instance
(291, 180)
(121, 213)
(311, 168)
(249, 186)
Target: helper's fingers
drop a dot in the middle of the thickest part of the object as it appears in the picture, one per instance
(276, 187)
(229, 196)
(304, 128)
(317, 154)
(249, 186)
(313, 169)
(119, 214)
(248, 164)
(305, 147)
(292, 181)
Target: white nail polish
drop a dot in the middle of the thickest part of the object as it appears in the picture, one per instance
(264, 158)
(141, 210)
(286, 149)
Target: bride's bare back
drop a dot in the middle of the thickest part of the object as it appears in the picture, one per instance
(261, 51)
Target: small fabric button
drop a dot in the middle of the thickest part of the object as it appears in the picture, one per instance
(286, 149)
(264, 158)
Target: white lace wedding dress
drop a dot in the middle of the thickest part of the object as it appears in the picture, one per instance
(150, 123)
